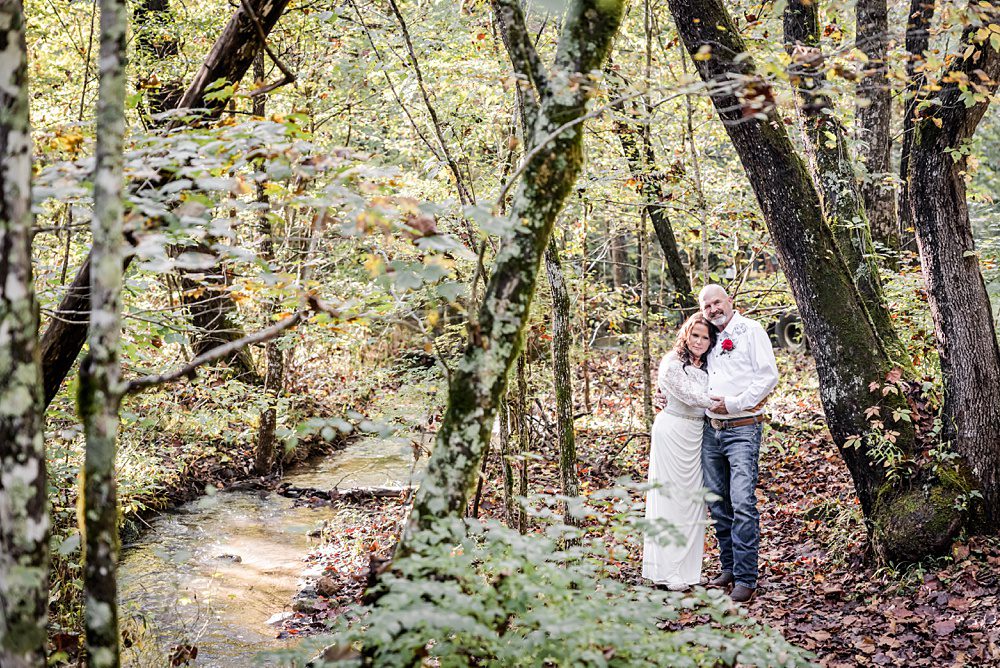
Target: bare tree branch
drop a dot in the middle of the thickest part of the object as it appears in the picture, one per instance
(289, 76)
(523, 56)
(214, 355)
(463, 191)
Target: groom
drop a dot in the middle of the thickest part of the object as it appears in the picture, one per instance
(742, 370)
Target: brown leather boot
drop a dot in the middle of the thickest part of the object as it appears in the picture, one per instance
(723, 581)
(741, 594)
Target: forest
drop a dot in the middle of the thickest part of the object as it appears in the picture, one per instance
(331, 331)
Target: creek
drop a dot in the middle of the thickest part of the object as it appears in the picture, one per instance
(213, 572)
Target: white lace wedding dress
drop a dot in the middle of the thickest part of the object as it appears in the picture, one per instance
(674, 559)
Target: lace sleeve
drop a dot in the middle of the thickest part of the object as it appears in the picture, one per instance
(688, 384)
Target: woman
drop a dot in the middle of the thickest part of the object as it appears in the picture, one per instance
(675, 461)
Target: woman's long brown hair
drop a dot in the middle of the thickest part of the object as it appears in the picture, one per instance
(681, 345)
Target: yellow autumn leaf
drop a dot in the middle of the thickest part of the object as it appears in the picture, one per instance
(374, 265)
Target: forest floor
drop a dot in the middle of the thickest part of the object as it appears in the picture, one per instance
(816, 586)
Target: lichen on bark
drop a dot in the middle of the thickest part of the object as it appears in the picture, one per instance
(100, 385)
(480, 378)
(24, 520)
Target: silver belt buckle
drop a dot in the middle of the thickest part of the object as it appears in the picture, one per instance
(717, 423)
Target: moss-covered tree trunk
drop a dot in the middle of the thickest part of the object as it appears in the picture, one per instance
(562, 376)
(832, 165)
(872, 116)
(849, 352)
(960, 305)
(24, 518)
(553, 164)
(100, 384)
(229, 59)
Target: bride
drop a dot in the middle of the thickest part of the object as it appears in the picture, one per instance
(675, 461)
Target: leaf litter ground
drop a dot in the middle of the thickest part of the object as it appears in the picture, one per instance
(816, 585)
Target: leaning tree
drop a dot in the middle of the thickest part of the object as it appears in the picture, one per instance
(818, 222)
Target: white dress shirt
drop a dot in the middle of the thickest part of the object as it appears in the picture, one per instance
(745, 375)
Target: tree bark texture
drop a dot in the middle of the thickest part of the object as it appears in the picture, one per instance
(562, 377)
(24, 518)
(230, 58)
(872, 116)
(100, 383)
(480, 378)
(849, 353)
(832, 166)
(960, 305)
(917, 41)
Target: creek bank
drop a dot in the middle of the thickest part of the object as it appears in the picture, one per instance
(220, 573)
(228, 467)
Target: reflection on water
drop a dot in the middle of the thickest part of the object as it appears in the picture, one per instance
(212, 573)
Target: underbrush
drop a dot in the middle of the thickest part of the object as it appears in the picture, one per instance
(478, 593)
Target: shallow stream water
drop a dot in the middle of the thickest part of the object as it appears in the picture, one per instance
(214, 571)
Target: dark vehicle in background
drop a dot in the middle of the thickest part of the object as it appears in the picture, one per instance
(786, 331)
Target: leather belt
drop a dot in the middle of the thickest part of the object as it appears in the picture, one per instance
(722, 425)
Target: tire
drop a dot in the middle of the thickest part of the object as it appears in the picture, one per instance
(790, 334)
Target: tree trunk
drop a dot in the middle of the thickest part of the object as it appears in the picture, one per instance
(642, 165)
(647, 372)
(212, 312)
(100, 383)
(849, 354)
(523, 443)
(585, 324)
(24, 518)
(506, 468)
(152, 44)
(552, 167)
(918, 23)
(960, 305)
(826, 142)
(274, 379)
(562, 378)
(229, 59)
(619, 259)
(872, 116)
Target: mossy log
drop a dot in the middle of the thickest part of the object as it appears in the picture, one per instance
(921, 521)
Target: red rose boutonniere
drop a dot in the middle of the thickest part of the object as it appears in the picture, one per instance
(727, 346)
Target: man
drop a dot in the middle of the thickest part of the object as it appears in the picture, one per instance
(741, 370)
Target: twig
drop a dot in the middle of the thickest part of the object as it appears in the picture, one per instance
(552, 135)
(289, 76)
(213, 355)
(463, 192)
(392, 87)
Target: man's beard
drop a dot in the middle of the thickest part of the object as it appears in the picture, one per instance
(719, 321)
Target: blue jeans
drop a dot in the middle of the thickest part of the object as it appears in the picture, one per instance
(729, 462)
